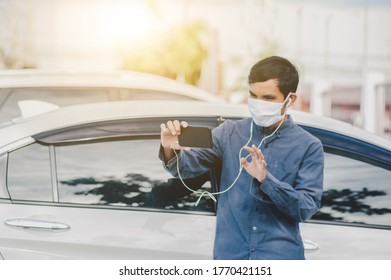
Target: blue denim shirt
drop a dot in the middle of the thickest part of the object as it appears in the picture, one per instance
(254, 220)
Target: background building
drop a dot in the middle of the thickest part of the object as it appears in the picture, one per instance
(342, 47)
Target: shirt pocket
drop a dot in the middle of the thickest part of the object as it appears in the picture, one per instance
(285, 171)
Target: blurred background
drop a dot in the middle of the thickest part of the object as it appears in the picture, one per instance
(342, 48)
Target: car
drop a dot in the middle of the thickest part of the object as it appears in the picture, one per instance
(63, 88)
(85, 182)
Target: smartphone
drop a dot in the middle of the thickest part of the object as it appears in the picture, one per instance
(196, 137)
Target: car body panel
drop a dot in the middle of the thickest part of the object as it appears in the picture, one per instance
(84, 114)
(98, 112)
(101, 232)
(78, 79)
(355, 148)
(30, 78)
(106, 234)
(344, 242)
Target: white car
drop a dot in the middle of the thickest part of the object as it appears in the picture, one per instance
(63, 88)
(85, 182)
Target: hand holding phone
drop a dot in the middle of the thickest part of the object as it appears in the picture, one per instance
(178, 135)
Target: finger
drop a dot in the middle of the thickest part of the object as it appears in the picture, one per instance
(251, 151)
(254, 152)
(259, 153)
(171, 127)
(244, 162)
(247, 148)
(184, 124)
(177, 127)
(164, 130)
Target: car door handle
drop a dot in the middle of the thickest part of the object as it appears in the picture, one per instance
(36, 224)
(310, 246)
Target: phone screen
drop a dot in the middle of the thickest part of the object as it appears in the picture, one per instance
(196, 136)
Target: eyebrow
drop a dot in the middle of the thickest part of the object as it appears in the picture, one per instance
(269, 96)
(266, 96)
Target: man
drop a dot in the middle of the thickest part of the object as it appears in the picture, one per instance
(259, 210)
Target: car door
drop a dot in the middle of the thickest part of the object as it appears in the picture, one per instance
(106, 196)
(354, 221)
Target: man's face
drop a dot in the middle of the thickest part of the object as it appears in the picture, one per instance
(267, 91)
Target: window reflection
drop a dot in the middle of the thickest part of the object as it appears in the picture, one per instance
(123, 173)
(355, 192)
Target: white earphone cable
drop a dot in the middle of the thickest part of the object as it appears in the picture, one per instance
(212, 194)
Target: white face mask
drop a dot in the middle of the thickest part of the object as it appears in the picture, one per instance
(266, 113)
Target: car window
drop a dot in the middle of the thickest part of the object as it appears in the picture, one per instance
(124, 173)
(29, 174)
(355, 192)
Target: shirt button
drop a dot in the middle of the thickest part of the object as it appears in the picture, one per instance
(255, 228)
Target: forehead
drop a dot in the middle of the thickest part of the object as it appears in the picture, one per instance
(269, 87)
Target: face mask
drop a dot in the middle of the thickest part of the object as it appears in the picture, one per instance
(266, 113)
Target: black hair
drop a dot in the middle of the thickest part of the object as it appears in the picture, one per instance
(278, 68)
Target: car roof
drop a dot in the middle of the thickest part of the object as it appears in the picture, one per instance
(108, 111)
(36, 78)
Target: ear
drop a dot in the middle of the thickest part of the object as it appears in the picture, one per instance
(292, 99)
